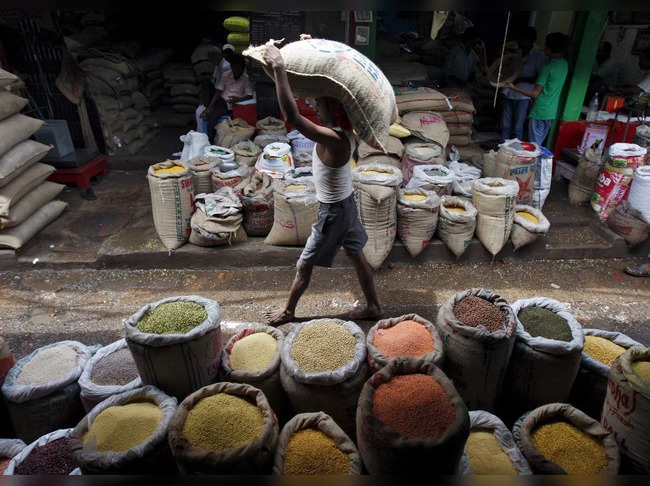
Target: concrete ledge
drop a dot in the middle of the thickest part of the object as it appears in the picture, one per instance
(7, 258)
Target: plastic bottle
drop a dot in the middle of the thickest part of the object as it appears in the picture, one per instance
(592, 113)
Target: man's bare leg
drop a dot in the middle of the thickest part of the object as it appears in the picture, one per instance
(364, 272)
(300, 284)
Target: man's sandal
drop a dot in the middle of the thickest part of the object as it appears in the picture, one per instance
(637, 271)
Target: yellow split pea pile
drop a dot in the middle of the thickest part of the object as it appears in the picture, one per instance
(312, 452)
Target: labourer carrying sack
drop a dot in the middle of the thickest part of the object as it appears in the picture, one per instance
(338, 223)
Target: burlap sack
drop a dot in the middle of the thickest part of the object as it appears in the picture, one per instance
(10, 104)
(494, 200)
(201, 169)
(459, 99)
(629, 223)
(271, 126)
(236, 179)
(394, 148)
(456, 229)
(246, 152)
(253, 458)
(376, 197)
(31, 178)
(542, 370)
(476, 359)
(178, 364)
(377, 360)
(322, 422)
(417, 153)
(472, 154)
(525, 232)
(482, 421)
(428, 126)
(268, 379)
(20, 158)
(320, 67)
(461, 140)
(29, 204)
(17, 236)
(457, 117)
(15, 129)
(526, 426)
(626, 413)
(333, 392)
(416, 220)
(38, 409)
(172, 203)
(384, 451)
(229, 132)
(257, 200)
(413, 99)
(150, 457)
(590, 386)
(456, 129)
(294, 213)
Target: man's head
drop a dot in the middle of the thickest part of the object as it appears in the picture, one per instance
(330, 112)
(237, 64)
(527, 39)
(556, 44)
(470, 38)
(228, 52)
(644, 59)
(604, 52)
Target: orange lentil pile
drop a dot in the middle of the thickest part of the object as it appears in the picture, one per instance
(407, 338)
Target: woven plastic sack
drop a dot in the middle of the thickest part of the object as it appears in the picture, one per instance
(476, 359)
(252, 458)
(629, 223)
(543, 370)
(38, 409)
(320, 67)
(456, 229)
(416, 219)
(436, 178)
(377, 360)
(420, 154)
(333, 392)
(525, 232)
(236, 179)
(268, 379)
(92, 393)
(149, 457)
(384, 451)
(590, 386)
(483, 421)
(201, 169)
(464, 177)
(295, 211)
(494, 199)
(172, 202)
(25, 451)
(526, 426)
(626, 413)
(322, 422)
(178, 364)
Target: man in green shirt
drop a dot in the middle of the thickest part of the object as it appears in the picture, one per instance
(547, 89)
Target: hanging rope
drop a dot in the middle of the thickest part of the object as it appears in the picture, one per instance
(503, 50)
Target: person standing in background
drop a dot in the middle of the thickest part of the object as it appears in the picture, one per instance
(548, 88)
(515, 104)
(222, 64)
(233, 87)
(463, 59)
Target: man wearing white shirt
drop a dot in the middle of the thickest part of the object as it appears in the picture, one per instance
(223, 64)
(515, 105)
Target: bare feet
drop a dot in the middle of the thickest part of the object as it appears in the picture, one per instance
(277, 317)
(365, 314)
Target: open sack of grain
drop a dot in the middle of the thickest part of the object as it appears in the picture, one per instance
(126, 434)
(560, 439)
(48, 455)
(231, 131)
(437, 178)
(375, 191)
(9, 448)
(456, 223)
(417, 153)
(41, 389)
(295, 210)
(490, 448)
(529, 224)
(494, 199)
(417, 218)
(176, 343)
(324, 367)
(224, 428)
(353, 80)
(516, 161)
(313, 444)
(410, 418)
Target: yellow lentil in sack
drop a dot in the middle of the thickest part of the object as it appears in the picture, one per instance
(221, 422)
(570, 448)
(486, 456)
(642, 368)
(415, 197)
(311, 452)
(528, 217)
(122, 427)
(456, 209)
(371, 172)
(170, 170)
(295, 187)
(253, 352)
(602, 350)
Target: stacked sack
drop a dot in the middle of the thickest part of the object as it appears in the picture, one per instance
(515, 161)
(201, 64)
(369, 155)
(238, 32)
(182, 91)
(26, 199)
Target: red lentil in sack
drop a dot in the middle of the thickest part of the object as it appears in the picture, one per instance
(407, 336)
(49, 455)
(410, 418)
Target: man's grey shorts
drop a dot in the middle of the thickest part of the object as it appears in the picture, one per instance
(338, 226)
